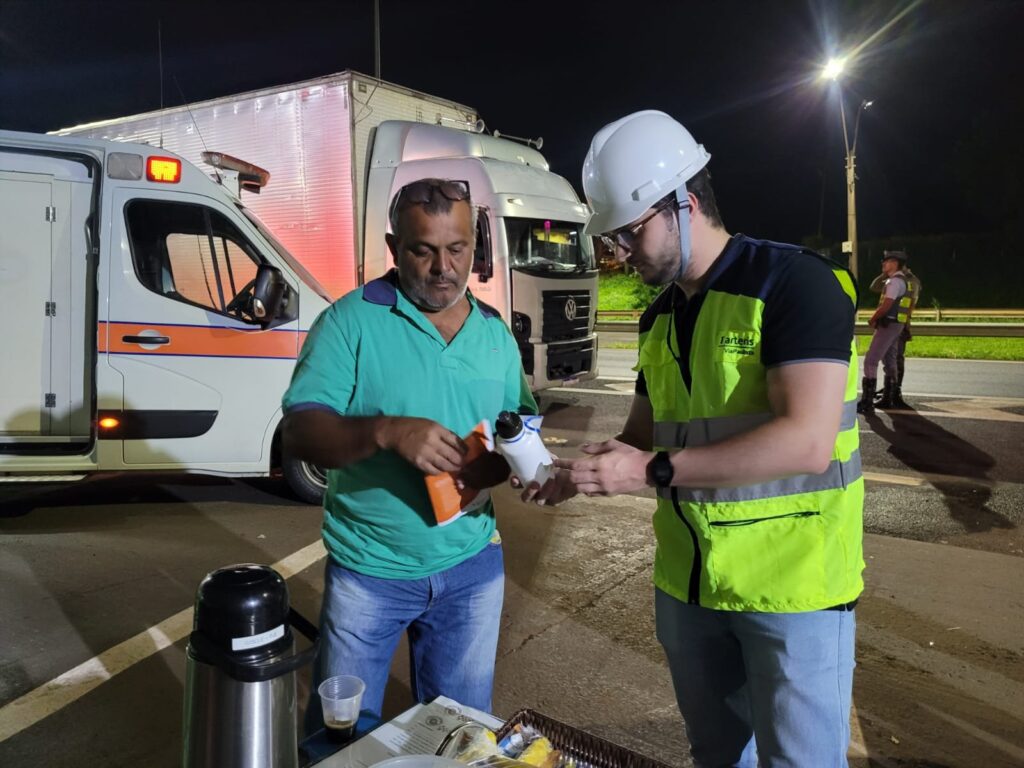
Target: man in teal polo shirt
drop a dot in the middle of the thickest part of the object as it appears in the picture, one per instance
(389, 378)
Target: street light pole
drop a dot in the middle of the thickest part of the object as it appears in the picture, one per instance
(851, 187)
(831, 71)
(851, 180)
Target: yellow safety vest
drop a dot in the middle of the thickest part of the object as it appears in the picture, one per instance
(900, 308)
(788, 545)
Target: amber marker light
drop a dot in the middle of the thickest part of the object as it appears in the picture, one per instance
(109, 422)
(166, 170)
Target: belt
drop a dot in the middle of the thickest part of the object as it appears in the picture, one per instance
(843, 606)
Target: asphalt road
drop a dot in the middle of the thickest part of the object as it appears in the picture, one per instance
(97, 580)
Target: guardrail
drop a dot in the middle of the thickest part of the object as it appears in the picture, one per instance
(953, 315)
(626, 322)
(921, 313)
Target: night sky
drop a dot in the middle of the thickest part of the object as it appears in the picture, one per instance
(936, 152)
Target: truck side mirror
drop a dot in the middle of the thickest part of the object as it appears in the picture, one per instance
(483, 256)
(268, 291)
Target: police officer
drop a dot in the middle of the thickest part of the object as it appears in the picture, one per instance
(891, 395)
(888, 321)
(744, 422)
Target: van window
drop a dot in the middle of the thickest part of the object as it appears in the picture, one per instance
(190, 253)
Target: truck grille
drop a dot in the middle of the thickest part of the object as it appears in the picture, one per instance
(566, 315)
(567, 360)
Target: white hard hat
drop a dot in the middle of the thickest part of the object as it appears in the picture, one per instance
(633, 163)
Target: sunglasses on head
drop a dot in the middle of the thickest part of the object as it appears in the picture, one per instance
(423, 191)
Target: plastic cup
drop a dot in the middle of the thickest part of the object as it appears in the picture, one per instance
(340, 698)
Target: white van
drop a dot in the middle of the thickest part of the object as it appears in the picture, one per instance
(156, 321)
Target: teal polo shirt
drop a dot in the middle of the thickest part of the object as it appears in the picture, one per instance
(373, 353)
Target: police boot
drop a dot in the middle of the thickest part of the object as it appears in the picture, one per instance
(866, 404)
(884, 400)
(897, 398)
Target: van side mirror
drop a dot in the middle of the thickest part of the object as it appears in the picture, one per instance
(483, 255)
(268, 292)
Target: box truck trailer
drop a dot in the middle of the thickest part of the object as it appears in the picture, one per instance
(338, 148)
(158, 320)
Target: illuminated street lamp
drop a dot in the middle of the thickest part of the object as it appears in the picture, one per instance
(832, 71)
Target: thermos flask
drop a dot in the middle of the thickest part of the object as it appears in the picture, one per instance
(240, 677)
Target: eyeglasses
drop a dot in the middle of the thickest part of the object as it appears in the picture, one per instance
(422, 192)
(625, 237)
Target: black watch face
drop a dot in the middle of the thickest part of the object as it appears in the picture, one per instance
(661, 469)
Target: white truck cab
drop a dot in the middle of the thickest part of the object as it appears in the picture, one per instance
(157, 320)
(532, 263)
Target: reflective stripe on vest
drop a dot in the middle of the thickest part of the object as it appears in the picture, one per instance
(838, 475)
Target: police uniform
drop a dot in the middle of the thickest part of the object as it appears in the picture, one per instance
(886, 336)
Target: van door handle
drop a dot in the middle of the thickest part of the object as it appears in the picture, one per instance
(146, 339)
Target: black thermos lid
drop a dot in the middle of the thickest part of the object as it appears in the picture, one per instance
(508, 425)
(242, 610)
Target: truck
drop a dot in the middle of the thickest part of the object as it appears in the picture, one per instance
(339, 147)
(160, 316)
(158, 319)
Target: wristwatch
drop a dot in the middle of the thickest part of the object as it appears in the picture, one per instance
(660, 470)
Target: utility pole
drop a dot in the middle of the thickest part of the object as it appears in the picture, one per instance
(376, 39)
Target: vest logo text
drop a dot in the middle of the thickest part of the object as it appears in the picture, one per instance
(737, 343)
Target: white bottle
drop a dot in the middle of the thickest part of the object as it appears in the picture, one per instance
(517, 438)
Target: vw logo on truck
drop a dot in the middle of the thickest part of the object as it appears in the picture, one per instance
(570, 309)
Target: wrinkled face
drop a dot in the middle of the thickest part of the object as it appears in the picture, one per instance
(890, 267)
(434, 254)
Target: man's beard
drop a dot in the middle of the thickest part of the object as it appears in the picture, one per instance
(418, 291)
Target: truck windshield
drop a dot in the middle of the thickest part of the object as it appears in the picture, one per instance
(548, 246)
(300, 271)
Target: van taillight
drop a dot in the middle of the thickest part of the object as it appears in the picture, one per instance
(163, 169)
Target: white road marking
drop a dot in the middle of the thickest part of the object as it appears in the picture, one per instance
(976, 408)
(882, 477)
(992, 740)
(1013, 400)
(987, 409)
(601, 391)
(50, 697)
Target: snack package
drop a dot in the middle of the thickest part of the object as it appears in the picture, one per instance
(476, 746)
(469, 742)
(529, 747)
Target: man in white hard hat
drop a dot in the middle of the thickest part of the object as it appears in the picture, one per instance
(744, 421)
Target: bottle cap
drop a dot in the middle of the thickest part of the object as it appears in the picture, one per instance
(508, 425)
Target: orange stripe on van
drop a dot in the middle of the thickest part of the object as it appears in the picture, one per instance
(200, 341)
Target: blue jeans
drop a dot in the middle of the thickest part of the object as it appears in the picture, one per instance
(774, 687)
(452, 618)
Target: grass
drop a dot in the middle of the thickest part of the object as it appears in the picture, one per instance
(947, 347)
(621, 292)
(959, 347)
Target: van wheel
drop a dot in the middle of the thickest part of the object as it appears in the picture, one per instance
(307, 481)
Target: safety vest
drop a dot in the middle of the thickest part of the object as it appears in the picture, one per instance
(900, 309)
(788, 545)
